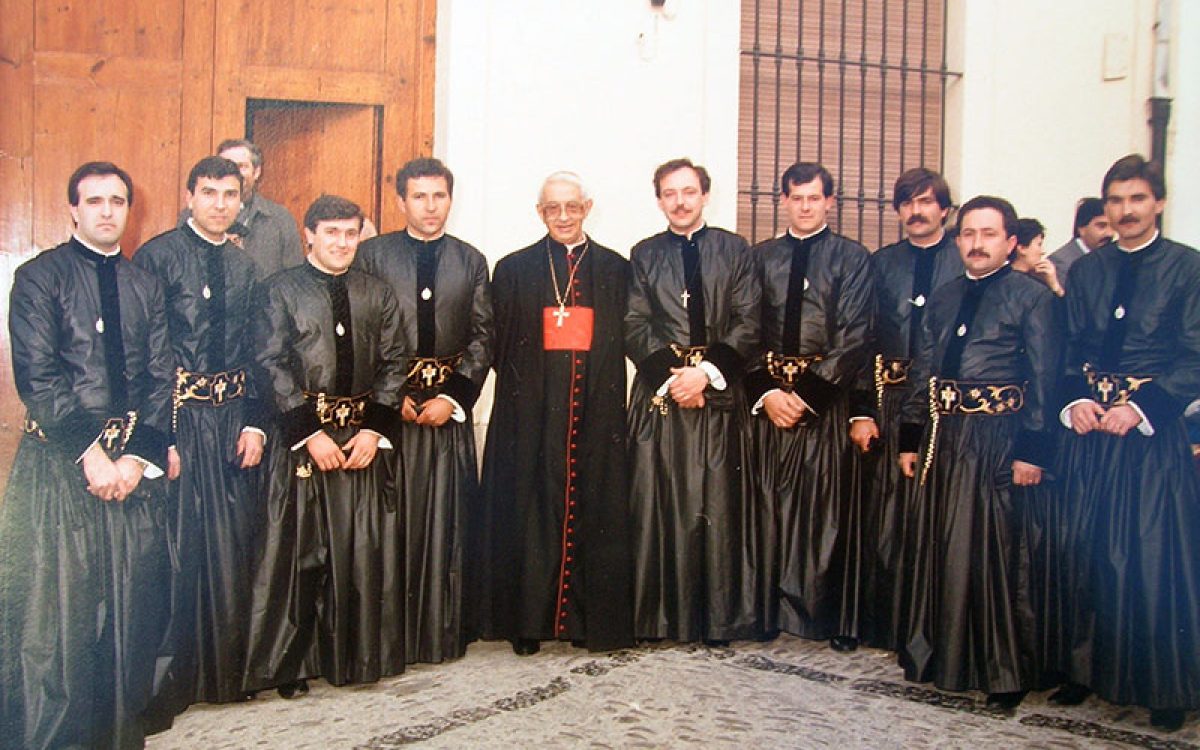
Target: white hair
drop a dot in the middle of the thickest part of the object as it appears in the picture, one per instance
(568, 177)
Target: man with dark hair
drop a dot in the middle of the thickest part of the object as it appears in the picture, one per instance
(441, 286)
(217, 439)
(905, 275)
(84, 567)
(263, 228)
(553, 533)
(1130, 489)
(981, 388)
(692, 324)
(817, 305)
(329, 588)
(1091, 232)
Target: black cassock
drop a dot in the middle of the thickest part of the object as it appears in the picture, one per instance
(971, 625)
(211, 298)
(554, 530)
(1131, 506)
(328, 596)
(905, 276)
(694, 525)
(84, 584)
(445, 303)
(816, 325)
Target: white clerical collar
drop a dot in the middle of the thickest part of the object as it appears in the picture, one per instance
(795, 236)
(107, 254)
(571, 247)
(322, 271)
(1083, 246)
(989, 273)
(435, 238)
(940, 237)
(1140, 247)
(192, 223)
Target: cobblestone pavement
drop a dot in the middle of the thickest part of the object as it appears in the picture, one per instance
(788, 693)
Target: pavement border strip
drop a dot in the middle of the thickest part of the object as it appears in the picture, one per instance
(1091, 730)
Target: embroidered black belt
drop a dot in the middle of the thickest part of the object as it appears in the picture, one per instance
(214, 388)
(340, 411)
(973, 397)
(787, 370)
(889, 373)
(113, 436)
(691, 356)
(1112, 388)
(425, 373)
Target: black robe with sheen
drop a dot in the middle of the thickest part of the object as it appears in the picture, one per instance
(554, 549)
(84, 584)
(971, 625)
(216, 510)
(811, 519)
(439, 468)
(888, 504)
(694, 524)
(1131, 505)
(328, 595)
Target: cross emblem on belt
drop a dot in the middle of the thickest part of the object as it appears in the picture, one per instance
(429, 373)
(559, 314)
(342, 415)
(1105, 388)
(948, 397)
(219, 391)
(790, 370)
(694, 359)
(110, 435)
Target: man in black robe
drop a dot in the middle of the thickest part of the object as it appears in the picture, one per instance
(693, 322)
(1130, 497)
(441, 285)
(980, 387)
(328, 595)
(905, 274)
(217, 432)
(817, 307)
(554, 530)
(84, 569)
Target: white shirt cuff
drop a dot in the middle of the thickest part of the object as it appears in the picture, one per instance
(384, 443)
(1144, 426)
(459, 414)
(255, 430)
(758, 405)
(1064, 416)
(149, 470)
(662, 389)
(715, 378)
(861, 419)
(301, 444)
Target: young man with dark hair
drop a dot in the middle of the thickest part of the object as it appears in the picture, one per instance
(816, 318)
(692, 324)
(84, 566)
(905, 275)
(441, 286)
(553, 533)
(981, 388)
(329, 588)
(1091, 231)
(217, 435)
(1130, 488)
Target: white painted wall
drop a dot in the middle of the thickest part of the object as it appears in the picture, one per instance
(1183, 142)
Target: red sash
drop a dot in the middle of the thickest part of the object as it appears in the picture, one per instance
(567, 328)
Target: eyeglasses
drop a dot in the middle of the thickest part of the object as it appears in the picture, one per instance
(553, 210)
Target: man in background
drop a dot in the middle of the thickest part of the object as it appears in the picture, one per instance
(1092, 231)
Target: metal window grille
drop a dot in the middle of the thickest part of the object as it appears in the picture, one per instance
(858, 86)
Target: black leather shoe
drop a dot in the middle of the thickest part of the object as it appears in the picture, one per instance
(1167, 719)
(1070, 694)
(1005, 701)
(293, 689)
(843, 644)
(526, 646)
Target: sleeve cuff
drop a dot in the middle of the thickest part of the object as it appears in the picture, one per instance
(656, 368)
(299, 424)
(461, 390)
(1034, 447)
(758, 405)
(148, 442)
(816, 391)
(1156, 405)
(1064, 416)
(910, 437)
(459, 414)
(382, 419)
(1144, 426)
(725, 358)
(75, 433)
(715, 378)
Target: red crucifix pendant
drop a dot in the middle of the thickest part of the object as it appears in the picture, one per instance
(567, 328)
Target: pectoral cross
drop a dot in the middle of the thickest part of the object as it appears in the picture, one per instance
(948, 397)
(1105, 388)
(559, 314)
(429, 373)
(685, 297)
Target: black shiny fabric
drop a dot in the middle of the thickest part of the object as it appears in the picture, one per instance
(694, 526)
(438, 465)
(211, 299)
(521, 529)
(328, 594)
(971, 626)
(811, 519)
(83, 583)
(1132, 504)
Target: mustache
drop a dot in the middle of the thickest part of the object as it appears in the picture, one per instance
(1130, 219)
(915, 220)
(977, 254)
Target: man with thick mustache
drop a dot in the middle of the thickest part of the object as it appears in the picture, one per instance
(1130, 490)
(905, 275)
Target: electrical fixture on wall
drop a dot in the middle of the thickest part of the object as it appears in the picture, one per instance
(647, 40)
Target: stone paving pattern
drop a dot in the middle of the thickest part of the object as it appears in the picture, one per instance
(789, 693)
